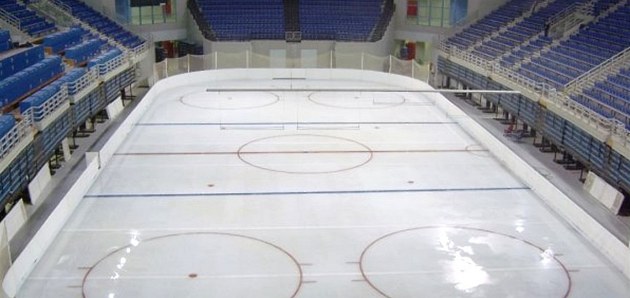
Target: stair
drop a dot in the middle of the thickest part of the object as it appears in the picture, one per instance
(292, 21)
(387, 12)
(205, 28)
(47, 9)
(291, 15)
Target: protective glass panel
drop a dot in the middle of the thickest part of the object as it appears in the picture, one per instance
(375, 63)
(231, 60)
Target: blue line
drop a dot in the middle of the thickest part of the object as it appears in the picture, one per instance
(320, 192)
(288, 123)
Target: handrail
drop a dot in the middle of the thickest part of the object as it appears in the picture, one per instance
(563, 101)
(518, 47)
(82, 82)
(64, 6)
(543, 90)
(614, 61)
(587, 8)
(112, 64)
(138, 50)
(558, 17)
(471, 58)
(520, 79)
(9, 18)
(38, 113)
(14, 136)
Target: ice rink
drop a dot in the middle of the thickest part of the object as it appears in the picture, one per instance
(312, 194)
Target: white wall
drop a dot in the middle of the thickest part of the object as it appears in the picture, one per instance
(194, 33)
(156, 32)
(405, 31)
(38, 184)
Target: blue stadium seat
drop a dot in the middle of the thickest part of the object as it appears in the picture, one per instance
(101, 23)
(29, 79)
(491, 23)
(29, 21)
(59, 41)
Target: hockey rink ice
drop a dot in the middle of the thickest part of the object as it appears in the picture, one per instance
(312, 194)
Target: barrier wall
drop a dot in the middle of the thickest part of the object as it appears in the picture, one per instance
(616, 251)
(28, 258)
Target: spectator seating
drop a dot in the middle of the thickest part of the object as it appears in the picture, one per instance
(40, 86)
(84, 51)
(100, 23)
(102, 62)
(36, 104)
(521, 31)
(29, 79)
(603, 5)
(244, 19)
(490, 23)
(525, 50)
(72, 76)
(591, 46)
(351, 20)
(41, 102)
(610, 97)
(27, 19)
(59, 41)
(15, 60)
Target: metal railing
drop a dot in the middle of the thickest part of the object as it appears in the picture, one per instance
(67, 10)
(112, 64)
(83, 82)
(561, 15)
(559, 99)
(587, 8)
(518, 47)
(613, 64)
(584, 113)
(14, 136)
(519, 79)
(471, 58)
(9, 18)
(39, 113)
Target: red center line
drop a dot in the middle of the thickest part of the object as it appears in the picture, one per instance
(302, 152)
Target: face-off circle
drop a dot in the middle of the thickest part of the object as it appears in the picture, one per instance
(357, 100)
(195, 264)
(212, 100)
(461, 262)
(305, 154)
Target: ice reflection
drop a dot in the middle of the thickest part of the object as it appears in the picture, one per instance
(462, 270)
(122, 263)
(134, 241)
(547, 256)
(520, 225)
